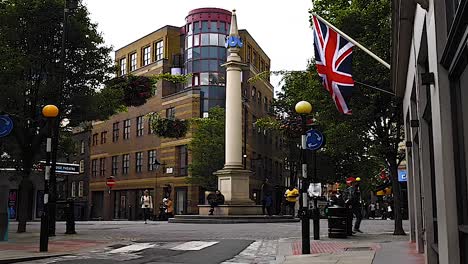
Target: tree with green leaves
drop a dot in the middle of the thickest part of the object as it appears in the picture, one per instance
(32, 76)
(361, 143)
(369, 23)
(207, 148)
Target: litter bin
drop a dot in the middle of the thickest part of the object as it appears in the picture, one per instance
(337, 221)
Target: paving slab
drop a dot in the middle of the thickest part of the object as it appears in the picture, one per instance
(335, 258)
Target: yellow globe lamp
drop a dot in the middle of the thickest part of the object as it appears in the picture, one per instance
(303, 107)
(358, 179)
(50, 111)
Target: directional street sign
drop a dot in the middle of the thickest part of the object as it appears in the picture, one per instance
(6, 125)
(315, 139)
(402, 176)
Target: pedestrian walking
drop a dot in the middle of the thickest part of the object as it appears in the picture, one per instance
(384, 211)
(146, 204)
(372, 211)
(169, 207)
(389, 212)
(215, 199)
(354, 202)
(267, 199)
(291, 195)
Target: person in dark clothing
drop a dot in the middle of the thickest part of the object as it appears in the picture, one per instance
(354, 201)
(337, 198)
(215, 199)
(267, 199)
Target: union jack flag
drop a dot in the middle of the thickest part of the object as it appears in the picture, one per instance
(333, 61)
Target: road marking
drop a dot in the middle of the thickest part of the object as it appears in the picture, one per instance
(194, 245)
(133, 248)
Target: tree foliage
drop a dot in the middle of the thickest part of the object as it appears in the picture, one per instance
(369, 22)
(32, 76)
(362, 143)
(207, 148)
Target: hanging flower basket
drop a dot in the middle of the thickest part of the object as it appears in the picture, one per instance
(168, 128)
(138, 90)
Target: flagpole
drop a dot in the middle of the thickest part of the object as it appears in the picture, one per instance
(373, 87)
(353, 41)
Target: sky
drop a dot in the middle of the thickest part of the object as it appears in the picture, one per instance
(281, 28)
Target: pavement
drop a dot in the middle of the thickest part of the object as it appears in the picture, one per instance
(130, 242)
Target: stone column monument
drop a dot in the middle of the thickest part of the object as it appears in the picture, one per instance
(233, 180)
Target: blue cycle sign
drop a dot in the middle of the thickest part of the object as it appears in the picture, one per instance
(314, 139)
(6, 125)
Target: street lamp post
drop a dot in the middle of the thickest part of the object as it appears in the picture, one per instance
(50, 112)
(303, 108)
(69, 6)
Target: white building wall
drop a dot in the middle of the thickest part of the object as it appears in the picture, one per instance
(448, 244)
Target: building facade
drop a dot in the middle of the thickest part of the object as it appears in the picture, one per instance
(77, 186)
(124, 145)
(429, 71)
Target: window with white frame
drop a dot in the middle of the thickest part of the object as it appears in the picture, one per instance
(114, 165)
(80, 189)
(151, 160)
(159, 50)
(138, 161)
(125, 163)
(115, 131)
(102, 167)
(170, 113)
(81, 166)
(139, 130)
(94, 168)
(82, 147)
(123, 66)
(133, 61)
(183, 160)
(146, 55)
(73, 189)
(126, 132)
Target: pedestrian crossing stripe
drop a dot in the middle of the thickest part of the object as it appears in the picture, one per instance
(133, 248)
(195, 245)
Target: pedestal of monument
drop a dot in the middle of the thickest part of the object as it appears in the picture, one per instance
(234, 184)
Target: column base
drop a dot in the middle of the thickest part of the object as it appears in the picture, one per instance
(231, 209)
(234, 184)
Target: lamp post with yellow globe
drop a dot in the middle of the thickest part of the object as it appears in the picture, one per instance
(50, 112)
(303, 108)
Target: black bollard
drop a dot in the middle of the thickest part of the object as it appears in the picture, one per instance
(70, 217)
(349, 221)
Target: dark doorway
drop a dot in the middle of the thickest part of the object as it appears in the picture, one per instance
(97, 205)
